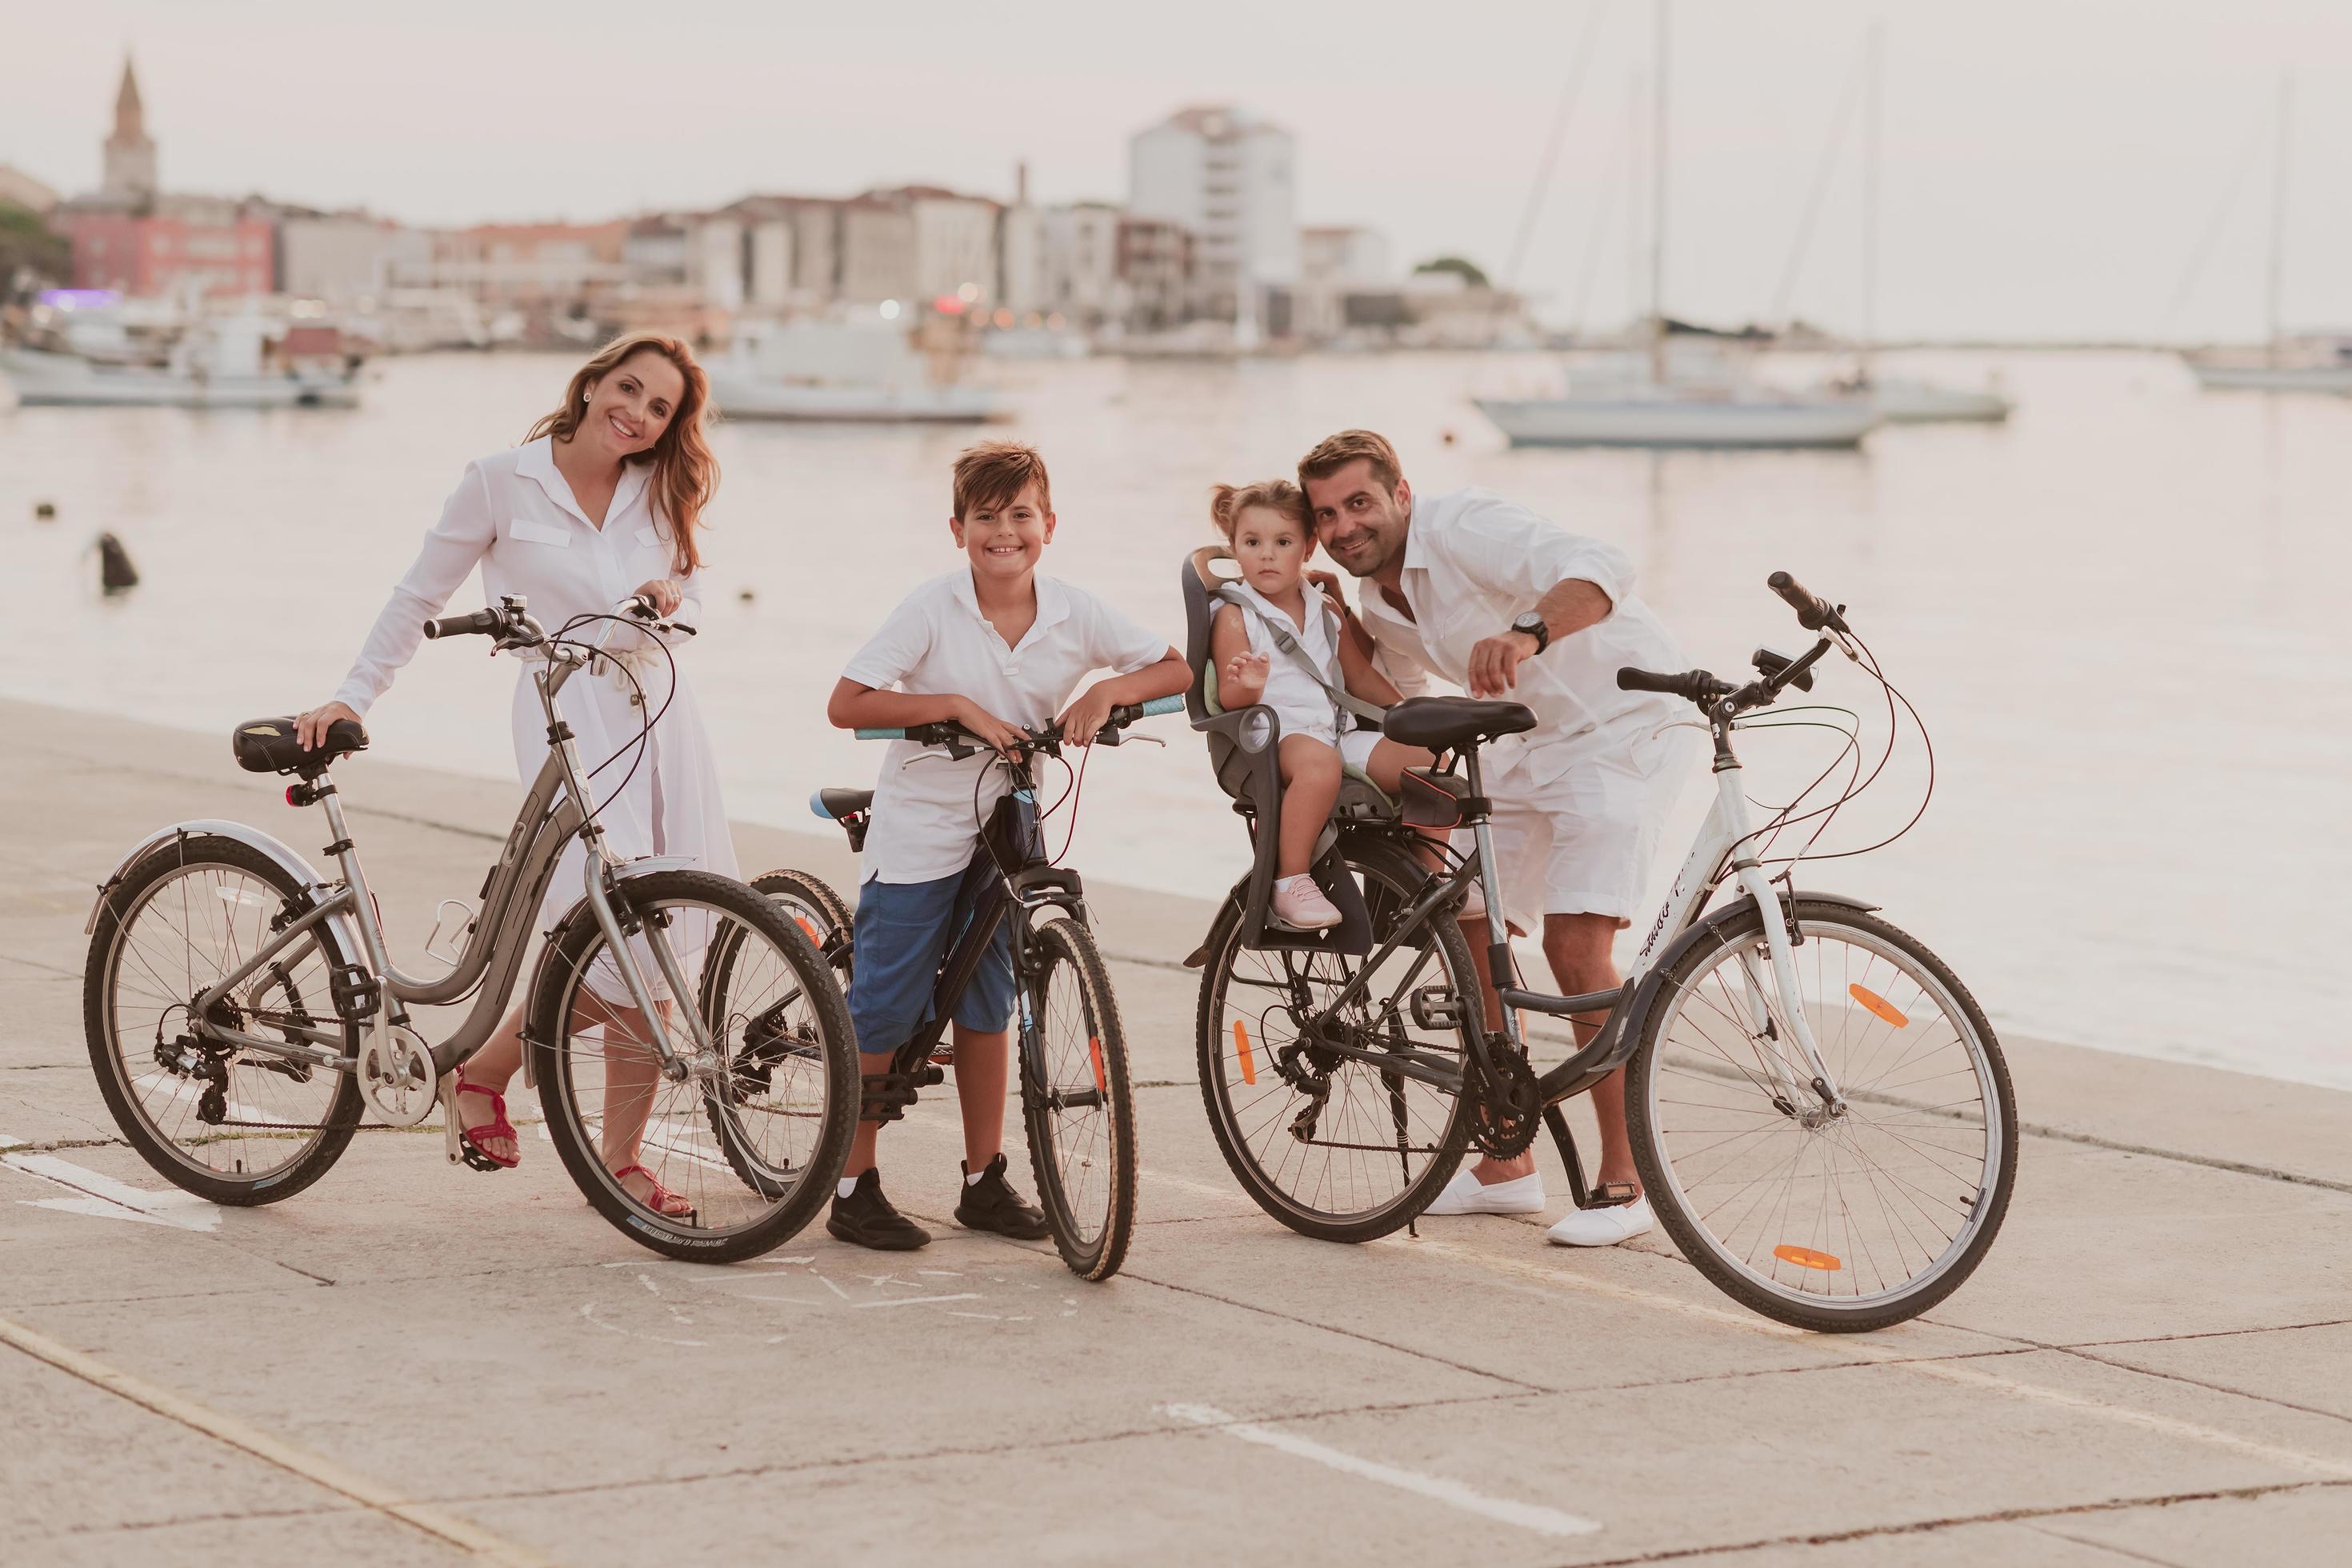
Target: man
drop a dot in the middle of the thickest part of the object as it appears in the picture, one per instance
(1484, 594)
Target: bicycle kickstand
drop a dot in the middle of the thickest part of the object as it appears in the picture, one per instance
(1607, 1196)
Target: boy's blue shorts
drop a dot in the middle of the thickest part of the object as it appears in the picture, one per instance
(903, 933)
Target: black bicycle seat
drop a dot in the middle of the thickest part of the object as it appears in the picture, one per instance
(268, 746)
(1449, 724)
(843, 804)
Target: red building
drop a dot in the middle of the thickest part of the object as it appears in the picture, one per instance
(130, 237)
(170, 245)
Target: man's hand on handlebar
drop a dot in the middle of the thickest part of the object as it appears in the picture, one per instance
(311, 729)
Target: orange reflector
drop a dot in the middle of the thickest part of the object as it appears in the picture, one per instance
(1806, 1257)
(808, 929)
(1094, 1048)
(1878, 1005)
(1240, 1044)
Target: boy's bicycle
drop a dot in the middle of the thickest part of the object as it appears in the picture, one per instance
(1075, 1102)
(243, 1011)
(1818, 1108)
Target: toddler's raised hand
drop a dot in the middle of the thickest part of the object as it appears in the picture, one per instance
(1246, 674)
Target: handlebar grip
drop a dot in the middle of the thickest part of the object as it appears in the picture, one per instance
(1160, 705)
(1695, 685)
(1813, 612)
(881, 734)
(481, 621)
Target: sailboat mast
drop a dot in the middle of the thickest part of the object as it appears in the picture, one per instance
(1658, 204)
(2278, 214)
(1873, 89)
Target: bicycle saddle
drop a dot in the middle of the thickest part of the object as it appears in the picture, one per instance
(268, 746)
(842, 804)
(1449, 724)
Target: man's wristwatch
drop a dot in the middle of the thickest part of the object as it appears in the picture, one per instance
(1533, 625)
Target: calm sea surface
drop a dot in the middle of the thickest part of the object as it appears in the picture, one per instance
(2122, 617)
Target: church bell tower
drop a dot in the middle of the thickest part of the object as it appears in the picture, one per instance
(130, 151)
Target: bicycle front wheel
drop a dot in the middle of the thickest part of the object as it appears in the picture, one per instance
(1077, 1102)
(747, 1135)
(1839, 1221)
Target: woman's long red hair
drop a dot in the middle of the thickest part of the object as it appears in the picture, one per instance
(686, 475)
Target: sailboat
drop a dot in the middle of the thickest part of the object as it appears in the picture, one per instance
(1666, 410)
(2310, 364)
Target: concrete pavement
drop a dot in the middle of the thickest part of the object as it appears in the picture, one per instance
(414, 1363)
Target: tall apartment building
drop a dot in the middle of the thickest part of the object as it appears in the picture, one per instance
(1227, 177)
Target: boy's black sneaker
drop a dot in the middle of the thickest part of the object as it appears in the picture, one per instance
(991, 1204)
(864, 1218)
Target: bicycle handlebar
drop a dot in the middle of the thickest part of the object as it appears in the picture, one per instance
(944, 729)
(484, 623)
(1696, 685)
(1813, 612)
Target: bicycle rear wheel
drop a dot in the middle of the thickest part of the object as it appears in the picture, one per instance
(1077, 1102)
(1333, 1146)
(755, 1153)
(1834, 1221)
(235, 1126)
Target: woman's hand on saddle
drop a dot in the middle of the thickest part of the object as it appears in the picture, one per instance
(1243, 680)
(311, 729)
(987, 727)
(666, 593)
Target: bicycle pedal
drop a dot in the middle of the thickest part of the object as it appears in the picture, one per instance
(1610, 1195)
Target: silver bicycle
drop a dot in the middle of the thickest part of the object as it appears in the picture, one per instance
(243, 1011)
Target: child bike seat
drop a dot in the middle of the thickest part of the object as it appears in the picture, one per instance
(1449, 724)
(268, 746)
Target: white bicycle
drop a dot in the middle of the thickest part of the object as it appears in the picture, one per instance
(1818, 1108)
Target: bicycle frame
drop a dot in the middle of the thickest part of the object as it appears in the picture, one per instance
(554, 809)
(1723, 846)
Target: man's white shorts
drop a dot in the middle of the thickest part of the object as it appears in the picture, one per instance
(1583, 841)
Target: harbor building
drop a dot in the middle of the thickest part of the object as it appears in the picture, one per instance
(1226, 175)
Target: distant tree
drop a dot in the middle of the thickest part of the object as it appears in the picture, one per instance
(1473, 276)
(30, 256)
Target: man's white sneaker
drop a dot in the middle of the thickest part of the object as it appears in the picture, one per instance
(1466, 1194)
(1603, 1227)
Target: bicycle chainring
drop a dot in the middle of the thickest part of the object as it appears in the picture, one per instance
(1513, 1116)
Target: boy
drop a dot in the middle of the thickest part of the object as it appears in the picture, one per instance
(997, 648)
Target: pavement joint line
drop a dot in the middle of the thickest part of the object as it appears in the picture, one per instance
(322, 1472)
(2204, 1335)
(1957, 1522)
(1543, 1521)
(2270, 1399)
(1942, 1370)
(2109, 1547)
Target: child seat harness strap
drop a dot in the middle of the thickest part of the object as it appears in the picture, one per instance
(1343, 700)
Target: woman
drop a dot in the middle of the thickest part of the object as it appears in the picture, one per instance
(603, 500)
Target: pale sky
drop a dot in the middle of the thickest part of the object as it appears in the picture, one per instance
(2051, 167)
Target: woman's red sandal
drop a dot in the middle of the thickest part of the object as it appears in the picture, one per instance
(462, 1146)
(661, 1200)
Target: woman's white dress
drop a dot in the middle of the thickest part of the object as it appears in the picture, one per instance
(514, 516)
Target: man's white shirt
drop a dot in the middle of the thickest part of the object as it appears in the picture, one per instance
(1473, 563)
(927, 816)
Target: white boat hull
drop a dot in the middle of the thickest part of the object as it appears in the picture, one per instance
(740, 398)
(1680, 422)
(54, 380)
(2225, 376)
(1923, 403)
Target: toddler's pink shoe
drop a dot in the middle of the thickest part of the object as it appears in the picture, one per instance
(1300, 904)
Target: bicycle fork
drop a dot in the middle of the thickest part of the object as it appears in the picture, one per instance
(1794, 1081)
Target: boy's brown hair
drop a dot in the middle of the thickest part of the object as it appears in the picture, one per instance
(1336, 452)
(990, 475)
(1227, 502)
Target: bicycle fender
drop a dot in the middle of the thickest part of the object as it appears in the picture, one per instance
(283, 855)
(1645, 994)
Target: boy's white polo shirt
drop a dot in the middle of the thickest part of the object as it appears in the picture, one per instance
(926, 817)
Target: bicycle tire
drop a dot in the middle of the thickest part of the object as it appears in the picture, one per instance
(571, 953)
(1106, 1155)
(1392, 876)
(131, 897)
(812, 905)
(1698, 1242)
